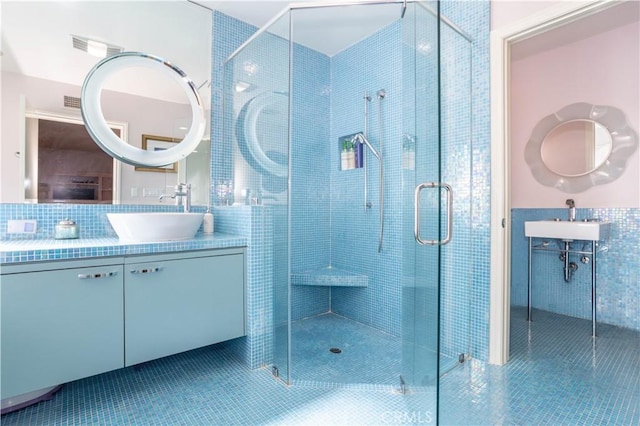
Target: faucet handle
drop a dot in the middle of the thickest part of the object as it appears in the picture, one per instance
(570, 202)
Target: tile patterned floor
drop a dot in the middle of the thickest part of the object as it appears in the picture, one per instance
(312, 361)
(556, 376)
(369, 358)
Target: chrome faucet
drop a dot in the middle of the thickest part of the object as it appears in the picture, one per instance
(572, 209)
(182, 195)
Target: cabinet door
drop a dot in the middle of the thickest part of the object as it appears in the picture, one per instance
(173, 306)
(59, 326)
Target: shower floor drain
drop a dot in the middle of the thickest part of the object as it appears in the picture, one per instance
(335, 350)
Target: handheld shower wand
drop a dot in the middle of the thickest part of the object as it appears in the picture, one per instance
(361, 139)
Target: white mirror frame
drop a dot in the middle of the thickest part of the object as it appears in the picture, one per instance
(624, 143)
(107, 140)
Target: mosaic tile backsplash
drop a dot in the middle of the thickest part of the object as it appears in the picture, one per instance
(618, 270)
(91, 219)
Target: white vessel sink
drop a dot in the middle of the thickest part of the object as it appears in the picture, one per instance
(150, 227)
(565, 230)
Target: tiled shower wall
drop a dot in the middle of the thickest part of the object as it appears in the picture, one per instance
(333, 198)
(257, 223)
(618, 269)
(474, 18)
(355, 230)
(310, 178)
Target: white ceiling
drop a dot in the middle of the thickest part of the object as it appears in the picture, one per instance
(36, 40)
(325, 29)
(605, 20)
(36, 37)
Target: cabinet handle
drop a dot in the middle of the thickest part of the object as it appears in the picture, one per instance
(146, 270)
(97, 275)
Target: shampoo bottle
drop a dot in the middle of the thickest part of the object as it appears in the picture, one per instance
(351, 156)
(344, 156)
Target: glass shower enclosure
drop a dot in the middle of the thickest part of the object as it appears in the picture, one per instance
(351, 130)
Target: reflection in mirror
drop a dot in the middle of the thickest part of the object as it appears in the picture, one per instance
(576, 147)
(580, 146)
(50, 81)
(195, 169)
(63, 165)
(261, 129)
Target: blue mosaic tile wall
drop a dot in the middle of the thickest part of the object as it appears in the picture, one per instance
(355, 231)
(310, 103)
(473, 17)
(351, 226)
(91, 219)
(310, 177)
(264, 65)
(227, 35)
(618, 270)
(421, 139)
(456, 145)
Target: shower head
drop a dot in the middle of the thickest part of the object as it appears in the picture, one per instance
(361, 139)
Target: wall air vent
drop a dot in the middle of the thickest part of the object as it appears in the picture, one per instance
(71, 102)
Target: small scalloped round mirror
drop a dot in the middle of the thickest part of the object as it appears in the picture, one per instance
(107, 140)
(580, 146)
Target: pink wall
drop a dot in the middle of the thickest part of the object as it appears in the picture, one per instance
(143, 115)
(602, 69)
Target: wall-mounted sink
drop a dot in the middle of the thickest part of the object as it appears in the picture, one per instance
(566, 230)
(151, 227)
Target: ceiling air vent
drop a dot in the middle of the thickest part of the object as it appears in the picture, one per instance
(71, 102)
(94, 47)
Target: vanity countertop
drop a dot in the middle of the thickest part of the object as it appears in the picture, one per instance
(19, 251)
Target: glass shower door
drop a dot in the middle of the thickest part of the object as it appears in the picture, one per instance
(422, 202)
(437, 202)
(252, 175)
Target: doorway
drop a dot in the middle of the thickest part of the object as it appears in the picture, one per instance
(502, 40)
(64, 165)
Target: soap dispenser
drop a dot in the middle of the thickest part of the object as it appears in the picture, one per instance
(207, 222)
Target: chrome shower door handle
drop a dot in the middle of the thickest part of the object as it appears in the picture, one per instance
(416, 213)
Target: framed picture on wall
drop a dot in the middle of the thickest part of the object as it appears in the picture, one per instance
(158, 143)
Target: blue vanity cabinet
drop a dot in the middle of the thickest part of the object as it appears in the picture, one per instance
(61, 321)
(177, 302)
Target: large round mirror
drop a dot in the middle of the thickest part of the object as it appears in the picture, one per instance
(46, 58)
(576, 147)
(580, 146)
(102, 134)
